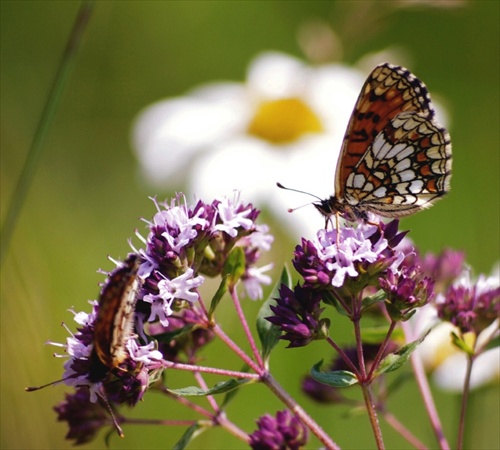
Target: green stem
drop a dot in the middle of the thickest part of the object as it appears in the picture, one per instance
(55, 93)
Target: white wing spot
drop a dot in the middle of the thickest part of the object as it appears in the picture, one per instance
(405, 153)
(359, 181)
(396, 149)
(407, 175)
(402, 165)
(416, 186)
(380, 192)
(380, 147)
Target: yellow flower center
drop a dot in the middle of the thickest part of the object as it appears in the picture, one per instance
(284, 120)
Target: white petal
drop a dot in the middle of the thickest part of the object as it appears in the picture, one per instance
(450, 375)
(437, 346)
(310, 167)
(168, 134)
(333, 93)
(274, 75)
(242, 164)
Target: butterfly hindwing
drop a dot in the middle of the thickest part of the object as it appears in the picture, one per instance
(407, 166)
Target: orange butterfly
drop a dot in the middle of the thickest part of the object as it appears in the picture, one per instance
(395, 158)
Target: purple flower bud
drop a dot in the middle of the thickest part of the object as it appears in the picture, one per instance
(443, 268)
(297, 313)
(286, 431)
(406, 290)
(185, 333)
(471, 306)
(84, 417)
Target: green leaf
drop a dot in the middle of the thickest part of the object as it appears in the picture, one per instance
(269, 334)
(337, 378)
(329, 299)
(378, 297)
(395, 360)
(408, 315)
(234, 267)
(219, 388)
(191, 433)
(218, 295)
(461, 344)
(232, 394)
(394, 313)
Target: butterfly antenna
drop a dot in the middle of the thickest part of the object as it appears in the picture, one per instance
(291, 210)
(52, 383)
(297, 190)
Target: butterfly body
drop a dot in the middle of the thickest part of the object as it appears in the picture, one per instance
(115, 318)
(395, 158)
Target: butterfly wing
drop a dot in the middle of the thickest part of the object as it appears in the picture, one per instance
(395, 159)
(388, 91)
(405, 169)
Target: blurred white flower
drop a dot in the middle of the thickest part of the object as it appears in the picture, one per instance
(448, 364)
(285, 123)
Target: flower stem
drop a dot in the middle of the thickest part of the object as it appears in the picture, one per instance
(403, 431)
(344, 357)
(465, 397)
(246, 328)
(212, 370)
(359, 349)
(167, 423)
(232, 428)
(363, 380)
(382, 348)
(425, 392)
(278, 390)
(232, 345)
(203, 385)
(219, 419)
(372, 414)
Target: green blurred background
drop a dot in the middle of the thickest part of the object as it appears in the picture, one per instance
(86, 198)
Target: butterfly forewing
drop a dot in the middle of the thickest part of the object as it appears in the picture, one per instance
(395, 159)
